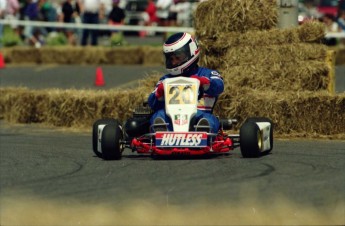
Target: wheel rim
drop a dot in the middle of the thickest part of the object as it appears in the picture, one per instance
(259, 136)
(122, 145)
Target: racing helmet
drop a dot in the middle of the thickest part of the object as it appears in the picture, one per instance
(181, 52)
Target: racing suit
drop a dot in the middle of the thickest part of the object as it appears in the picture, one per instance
(205, 103)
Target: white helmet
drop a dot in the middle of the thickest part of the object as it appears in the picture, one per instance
(181, 53)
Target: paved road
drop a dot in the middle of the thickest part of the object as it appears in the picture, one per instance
(59, 166)
(75, 76)
(83, 77)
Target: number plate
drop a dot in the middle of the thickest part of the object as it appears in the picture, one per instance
(181, 94)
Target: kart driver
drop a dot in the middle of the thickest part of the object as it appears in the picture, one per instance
(181, 53)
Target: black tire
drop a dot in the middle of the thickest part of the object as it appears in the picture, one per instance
(95, 133)
(263, 119)
(250, 137)
(111, 142)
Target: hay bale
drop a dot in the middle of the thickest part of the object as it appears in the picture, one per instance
(6, 52)
(228, 40)
(20, 55)
(63, 55)
(306, 113)
(69, 108)
(75, 108)
(311, 32)
(272, 54)
(330, 61)
(152, 55)
(124, 55)
(95, 55)
(214, 17)
(150, 81)
(340, 56)
(21, 105)
(263, 55)
(304, 75)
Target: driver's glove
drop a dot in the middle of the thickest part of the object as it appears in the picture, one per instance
(160, 91)
(204, 82)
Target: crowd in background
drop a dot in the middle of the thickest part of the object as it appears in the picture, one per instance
(156, 13)
(115, 12)
(332, 15)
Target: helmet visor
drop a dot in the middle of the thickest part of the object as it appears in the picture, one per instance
(178, 57)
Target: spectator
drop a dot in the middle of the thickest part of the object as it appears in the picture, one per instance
(107, 6)
(12, 9)
(2, 15)
(3, 6)
(310, 11)
(341, 24)
(183, 9)
(34, 36)
(172, 18)
(48, 12)
(92, 10)
(331, 26)
(69, 12)
(151, 11)
(22, 8)
(117, 15)
(32, 11)
(163, 9)
(12, 13)
(341, 21)
(151, 16)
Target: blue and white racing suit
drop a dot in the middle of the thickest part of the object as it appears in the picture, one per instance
(205, 103)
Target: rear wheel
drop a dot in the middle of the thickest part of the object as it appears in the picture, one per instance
(111, 141)
(250, 140)
(95, 134)
(263, 119)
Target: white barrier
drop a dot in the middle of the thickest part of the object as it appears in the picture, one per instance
(118, 27)
(335, 35)
(95, 26)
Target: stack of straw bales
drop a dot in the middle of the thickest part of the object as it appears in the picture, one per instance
(277, 73)
(216, 17)
(67, 108)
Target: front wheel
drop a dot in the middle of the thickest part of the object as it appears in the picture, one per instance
(264, 119)
(111, 142)
(250, 140)
(95, 133)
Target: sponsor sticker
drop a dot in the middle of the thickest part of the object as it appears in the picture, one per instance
(215, 73)
(180, 119)
(171, 139)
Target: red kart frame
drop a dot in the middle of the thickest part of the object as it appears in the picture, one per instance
(221, 144)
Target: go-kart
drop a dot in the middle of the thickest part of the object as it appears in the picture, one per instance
(111, 137)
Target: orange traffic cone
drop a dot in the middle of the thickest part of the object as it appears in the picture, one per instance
(99, 77)
(2, 61)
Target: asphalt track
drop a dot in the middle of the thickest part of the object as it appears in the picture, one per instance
(50, 176)
(83, 76)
